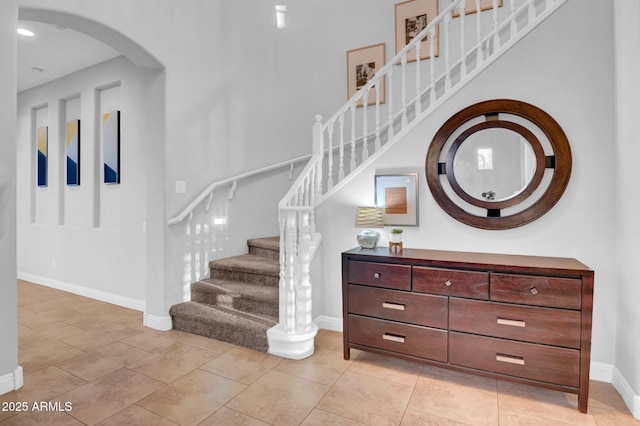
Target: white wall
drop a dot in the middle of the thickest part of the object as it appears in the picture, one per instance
(554, 69)
(91, 235)
(8, 298)
(627, 37)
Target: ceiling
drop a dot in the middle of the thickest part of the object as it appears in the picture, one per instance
(54, 52)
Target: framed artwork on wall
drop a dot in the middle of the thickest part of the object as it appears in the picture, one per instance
(398, 196)
(73, 152)
(411, 17)
(42, 146)
(362, 65)
(470, 7)
(111, 146)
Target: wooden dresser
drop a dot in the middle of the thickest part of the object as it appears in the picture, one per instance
(519, 318)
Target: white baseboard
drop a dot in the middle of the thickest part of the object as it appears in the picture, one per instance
(158, 323)
(630, 398)
(329, 323)
(126, 302)
(11, 381)
(601, 372)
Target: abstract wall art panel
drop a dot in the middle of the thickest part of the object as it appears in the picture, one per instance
(73, 153)
(111, 146)
(398, 196)
(42, 141)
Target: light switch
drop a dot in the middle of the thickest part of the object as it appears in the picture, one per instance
(181, 187)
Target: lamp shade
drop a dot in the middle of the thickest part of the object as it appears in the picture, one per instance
(369, 217)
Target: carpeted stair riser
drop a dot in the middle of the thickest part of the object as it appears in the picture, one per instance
(264, 303)
(194, 318)
(266, 253)
(265, 247)
(246, 277)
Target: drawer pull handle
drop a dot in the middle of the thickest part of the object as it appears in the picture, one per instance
(376, 275)
(534, 291)
(448, 283)
(511, 359)
(393, 337)
(513, 323)
(396, 306)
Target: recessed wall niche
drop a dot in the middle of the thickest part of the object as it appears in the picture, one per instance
(74, 210)
(41, 201)
(109, 100)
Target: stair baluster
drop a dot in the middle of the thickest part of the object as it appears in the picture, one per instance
(365, 129)
(352, 162)
(463, 53)
(377, 142)
(480, 57)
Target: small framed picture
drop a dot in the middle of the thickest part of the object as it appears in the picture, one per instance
(398, 196)
(470, 7)
(412, 17)
(362, 65)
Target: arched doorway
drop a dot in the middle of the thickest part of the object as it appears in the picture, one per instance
(151, 169)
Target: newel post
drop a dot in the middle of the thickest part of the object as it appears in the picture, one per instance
(318, 141)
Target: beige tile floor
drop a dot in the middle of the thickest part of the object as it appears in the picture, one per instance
(97, 365)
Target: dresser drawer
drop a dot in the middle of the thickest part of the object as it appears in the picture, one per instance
(537, 362)
(407, 339)
(534, 290)
(556, 327)
(414, 308)
(451, 283)
(380, 274)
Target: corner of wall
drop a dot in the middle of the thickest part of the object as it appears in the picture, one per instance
(158, 322)
(626, 391)
(11, 381)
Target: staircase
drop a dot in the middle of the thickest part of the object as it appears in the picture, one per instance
(406, 92)
(239, 302)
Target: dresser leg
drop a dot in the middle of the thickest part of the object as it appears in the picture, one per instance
(347, 352)
(583, 400)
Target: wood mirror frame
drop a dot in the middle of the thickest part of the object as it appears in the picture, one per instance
(559, 161)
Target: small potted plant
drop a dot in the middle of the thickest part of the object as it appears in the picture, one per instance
(396, 235)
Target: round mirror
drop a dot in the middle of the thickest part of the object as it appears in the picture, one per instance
(494, 165)
(497, 164)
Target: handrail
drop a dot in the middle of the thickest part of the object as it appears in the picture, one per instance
(204, 194)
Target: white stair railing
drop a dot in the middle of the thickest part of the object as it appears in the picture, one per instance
(468, 44)
(197, 225)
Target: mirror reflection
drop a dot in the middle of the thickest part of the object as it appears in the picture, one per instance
(494, 164)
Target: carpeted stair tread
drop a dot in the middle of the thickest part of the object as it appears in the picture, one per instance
(268, 243)
(252, 298)
(248, 263)
(234, 287)
(222, 324)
